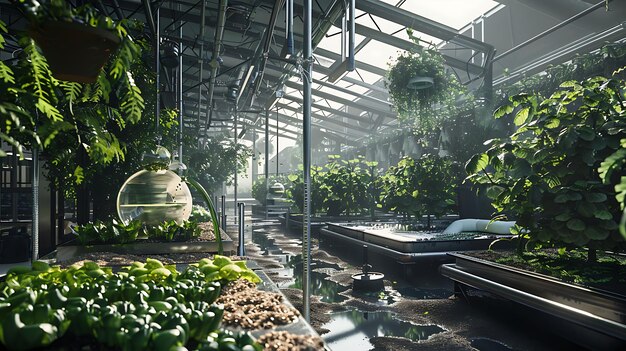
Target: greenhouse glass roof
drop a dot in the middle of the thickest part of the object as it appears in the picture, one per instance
(252, 60)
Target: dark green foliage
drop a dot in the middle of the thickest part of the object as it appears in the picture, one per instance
(347, 185)
(545, 173)
(36, 108)
(414, 105)
(295, 192)
(423, 186)
(216, 162)
(572, 266)
(114, 232)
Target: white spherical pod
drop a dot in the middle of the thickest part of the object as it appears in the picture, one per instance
(153, 197)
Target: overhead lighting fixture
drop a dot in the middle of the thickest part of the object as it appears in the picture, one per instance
(245, 81)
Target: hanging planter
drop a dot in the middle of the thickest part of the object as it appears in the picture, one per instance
(74, 51)
(417, 80)
(76, 41)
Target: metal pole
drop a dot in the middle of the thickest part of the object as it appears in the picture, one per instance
(201, 62)
(351, 38)
(235, 195)
(180, 91)
(224, 212)
(306, 150)
(157, 112)
(277, 136)
(266, 166)
(35, 189)
(241, 249)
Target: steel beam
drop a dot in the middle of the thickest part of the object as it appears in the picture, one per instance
(421, 24)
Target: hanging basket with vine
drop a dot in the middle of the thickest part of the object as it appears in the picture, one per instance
(417, 80)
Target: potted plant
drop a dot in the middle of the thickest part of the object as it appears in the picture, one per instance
(416, 81)
(76, 42)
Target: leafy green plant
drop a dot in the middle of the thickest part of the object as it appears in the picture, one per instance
(216, 161)
(114, 232)
(417, 104)
(346, 184)
(295, 192)
(36, 107)
(147, 305)
(199, 214)
(109, 232)
(545, 173)
(423, 186)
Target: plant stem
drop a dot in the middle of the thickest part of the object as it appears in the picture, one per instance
(207, 199)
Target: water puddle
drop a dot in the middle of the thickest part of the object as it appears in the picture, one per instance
(391, 295)
(351, 330)
(327, 290)
(486, 344)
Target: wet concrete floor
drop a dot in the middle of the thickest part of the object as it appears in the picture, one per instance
(417, 310)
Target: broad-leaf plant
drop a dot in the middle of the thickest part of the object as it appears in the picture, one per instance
(422, 186)
(546, 172)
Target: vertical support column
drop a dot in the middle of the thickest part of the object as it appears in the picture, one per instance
(290, 46)
(157, 46)
(306, 150)
(236, 173)
(351, 38)
(224, 212)
(241, 248)
(254, 161)
(266, 166)
(180, 91)
(35, 188)
(201, 63)
(277, 137)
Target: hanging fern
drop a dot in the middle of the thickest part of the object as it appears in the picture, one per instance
(72, 92)
(42, 82)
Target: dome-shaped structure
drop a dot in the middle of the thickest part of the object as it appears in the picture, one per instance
(277, 190)
(153, 197)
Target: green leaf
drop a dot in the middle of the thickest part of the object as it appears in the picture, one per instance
(503, 110)
(595, 197)
(612, 163)
(603, 214)
(477, 163)
(595, 233)
(563, 217)
(79, 174)
(576, 224)
(521, 116)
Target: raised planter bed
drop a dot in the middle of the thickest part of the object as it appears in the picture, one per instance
(144, 247)
(597, 317)
(408, 247)
(240, 306)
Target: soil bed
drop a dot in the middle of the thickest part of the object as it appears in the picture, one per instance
(607, 273)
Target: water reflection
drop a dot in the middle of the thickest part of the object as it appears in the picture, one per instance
(327, 290)
(351, 330)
